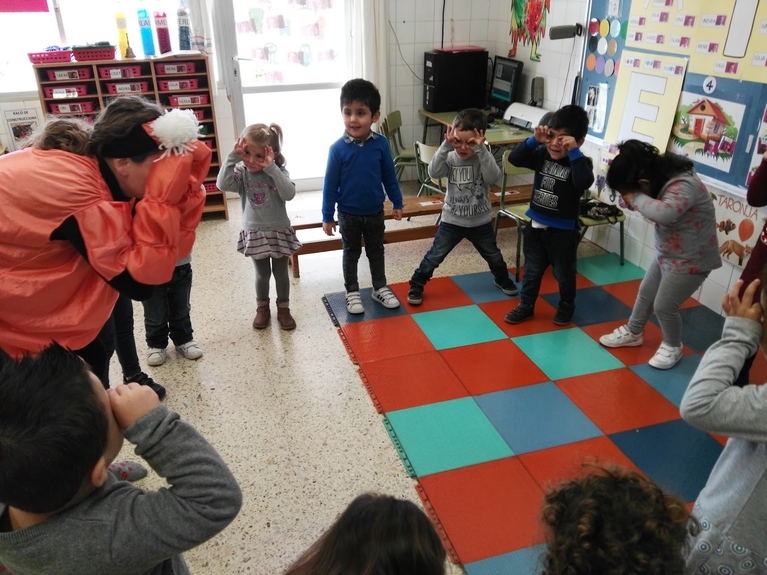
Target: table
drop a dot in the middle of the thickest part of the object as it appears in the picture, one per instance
(498, 133)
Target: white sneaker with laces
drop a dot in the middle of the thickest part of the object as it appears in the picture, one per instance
(190, 350)
(666, 357)
(385, 297)
(354, 302)
(621, 337)
(156, 356)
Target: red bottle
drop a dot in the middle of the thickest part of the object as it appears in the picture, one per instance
(163, 34)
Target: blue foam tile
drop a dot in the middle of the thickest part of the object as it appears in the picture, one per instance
(607, 269)
(566, 353)
(536, 417)
(670, 383)
(675, 455)
(593, 305)
(480, 287)
(701, 327)
(458, 326)
(373, 310)
(525, 561)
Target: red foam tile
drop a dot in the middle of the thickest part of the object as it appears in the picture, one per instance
(439, 293)
(550, 467)
(402, 382)
(487, 509)
(653, 337)
(377, 339)
(492, 366)
(541, 322)
(618, 400)
(627, 293)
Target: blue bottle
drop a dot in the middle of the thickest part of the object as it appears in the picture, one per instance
(184, 27)
(145, 24)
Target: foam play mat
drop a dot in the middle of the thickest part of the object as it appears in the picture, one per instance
(486, 416)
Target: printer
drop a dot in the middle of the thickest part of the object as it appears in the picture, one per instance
(525, 117)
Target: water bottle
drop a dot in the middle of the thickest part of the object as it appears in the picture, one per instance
(145, 24)
(184, 27)
(122, 30)
(163, 34)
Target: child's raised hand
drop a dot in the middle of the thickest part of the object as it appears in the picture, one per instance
(568, 142)
(397, 214)
(477, 138)
(240, 147)
(450, 136)
(266, 160)
(542, 134)
(130, 402)
(329, 227)
(733, 306)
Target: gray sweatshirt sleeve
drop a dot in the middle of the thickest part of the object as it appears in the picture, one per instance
(202, 499)
(712, 403)
(438, 165)
(281, 178)
(228, 178)
(490, 170)
(673, 203)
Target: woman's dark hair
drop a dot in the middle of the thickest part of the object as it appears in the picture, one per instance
(53, 429)
(637, 160)
(615, 521)
(70, 134)
(264, 135)
(375, 535)
(120, 123)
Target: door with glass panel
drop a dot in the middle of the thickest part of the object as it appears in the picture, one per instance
(286, 61)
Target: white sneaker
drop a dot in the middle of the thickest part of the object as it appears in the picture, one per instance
(385, 297)
(621, 337)
(666, 357)
(354, 302)
(190, 350)
(156, 356)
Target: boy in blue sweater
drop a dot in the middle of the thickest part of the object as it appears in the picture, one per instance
(358, 164)
(562, 175)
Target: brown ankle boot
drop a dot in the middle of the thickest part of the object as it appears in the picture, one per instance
(284, 318)
(262, 314)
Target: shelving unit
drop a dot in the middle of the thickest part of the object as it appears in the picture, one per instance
(180, 81)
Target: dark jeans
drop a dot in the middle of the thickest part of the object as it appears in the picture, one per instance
(549, 247)
(448, 236)
(167, 311)
(353, 229)
(98, 352)
(125, 343)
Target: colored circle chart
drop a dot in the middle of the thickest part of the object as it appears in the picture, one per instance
(604, 28)
(615, 28)
(609, 67)
(593, 27)
(593, 43)
(612, 47)
(602, 46)
(600, 65)
(591, 62)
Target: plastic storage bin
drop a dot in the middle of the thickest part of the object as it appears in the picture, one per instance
(179, 68)
(211, 187)
(175, 85)
(128, 88)
(83, 54)
(50, 57)
(120, 72)
(75, 91)
(73, 108)
(190, 100)
(73, 74)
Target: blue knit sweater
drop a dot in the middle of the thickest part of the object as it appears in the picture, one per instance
(354, 177)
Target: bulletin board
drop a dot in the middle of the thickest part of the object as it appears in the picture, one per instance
(720, 121)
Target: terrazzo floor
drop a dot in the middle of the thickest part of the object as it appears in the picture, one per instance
(286, 410)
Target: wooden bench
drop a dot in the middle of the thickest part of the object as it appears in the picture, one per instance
(413, 207)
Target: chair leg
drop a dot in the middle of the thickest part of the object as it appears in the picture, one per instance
(622, 242)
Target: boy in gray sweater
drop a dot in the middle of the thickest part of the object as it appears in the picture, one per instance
(470, 169)
(61, 512)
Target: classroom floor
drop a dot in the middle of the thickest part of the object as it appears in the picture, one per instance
(289, 412)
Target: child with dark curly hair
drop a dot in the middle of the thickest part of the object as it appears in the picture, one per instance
(614, 521)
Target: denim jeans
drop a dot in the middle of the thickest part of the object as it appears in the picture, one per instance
(448, 236)
(544, 247)
(167, 311)
(125, 344)
(353, 229)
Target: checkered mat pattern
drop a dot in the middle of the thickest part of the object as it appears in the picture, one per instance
(487, 415)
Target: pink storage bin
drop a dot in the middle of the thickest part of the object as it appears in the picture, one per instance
(73, 74)
(50, 57)
(75, 91)
(208, 143)
(175, 85)
(120, 72)
(73, 108)
(190, 100)
(94, 53)
(211, 187)
(179, 68)
(128, 88)
(199, 114)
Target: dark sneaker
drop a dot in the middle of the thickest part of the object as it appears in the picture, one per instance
(144, 379)
(564, 314)
(415, 296)
(519, 314)
(506, 286)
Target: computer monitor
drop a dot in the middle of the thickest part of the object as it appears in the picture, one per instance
(507, 74)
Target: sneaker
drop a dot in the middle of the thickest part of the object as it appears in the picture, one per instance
(385, 297)
(354, 302)
(190, 350)
(666, 357)
(144, 379)
(621, 337)
(156, 356)
(415, 296)
(519, 314)
(506, 286)
(564, 314)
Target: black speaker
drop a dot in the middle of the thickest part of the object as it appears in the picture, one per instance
(454, 80)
